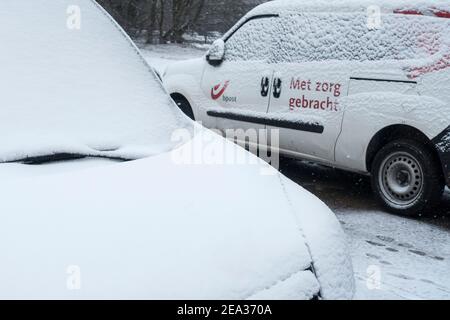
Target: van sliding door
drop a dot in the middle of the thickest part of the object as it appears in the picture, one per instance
(308, 85)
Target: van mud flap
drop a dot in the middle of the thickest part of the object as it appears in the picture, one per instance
(442, 143)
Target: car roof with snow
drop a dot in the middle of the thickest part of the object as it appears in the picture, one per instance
(74, 83)
(437, 8)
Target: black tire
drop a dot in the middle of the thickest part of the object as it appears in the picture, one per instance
(407, 178)
(183, 104)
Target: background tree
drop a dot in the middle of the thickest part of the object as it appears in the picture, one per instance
(161, 21)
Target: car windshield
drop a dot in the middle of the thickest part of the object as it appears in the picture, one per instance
(74, 84)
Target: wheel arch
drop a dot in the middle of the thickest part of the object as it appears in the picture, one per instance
(186, 87)
(187, 109)
(179, 96)
(395, 132)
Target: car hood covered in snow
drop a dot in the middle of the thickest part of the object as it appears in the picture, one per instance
(74, 83)
(162, 228)
(178, 225)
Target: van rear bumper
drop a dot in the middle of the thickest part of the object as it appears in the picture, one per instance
(442, 143)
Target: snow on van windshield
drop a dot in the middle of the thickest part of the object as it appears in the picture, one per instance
(72, 82)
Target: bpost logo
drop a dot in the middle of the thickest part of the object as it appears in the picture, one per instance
(219, 90)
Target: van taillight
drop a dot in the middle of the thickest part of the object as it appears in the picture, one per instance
(442, 14)
(410, 12)
(432, 12)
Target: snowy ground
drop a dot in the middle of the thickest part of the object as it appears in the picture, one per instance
(409, 257)
(162, 55)
(412, 256)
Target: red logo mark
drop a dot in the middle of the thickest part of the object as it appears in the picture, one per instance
(430, 11)
(443, 63)
(219, 90)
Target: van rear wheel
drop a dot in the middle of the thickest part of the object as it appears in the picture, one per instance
(406, 178)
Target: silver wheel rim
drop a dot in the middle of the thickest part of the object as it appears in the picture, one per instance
(401, 179)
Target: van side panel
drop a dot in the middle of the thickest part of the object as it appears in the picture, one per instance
(368, 113)
(412, 90)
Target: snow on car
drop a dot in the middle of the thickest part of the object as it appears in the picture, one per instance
(98, 202)
(348, 84)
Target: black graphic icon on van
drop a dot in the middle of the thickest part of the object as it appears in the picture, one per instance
(277, 83)
(265, 82)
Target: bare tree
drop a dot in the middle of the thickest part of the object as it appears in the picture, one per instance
(169, 20)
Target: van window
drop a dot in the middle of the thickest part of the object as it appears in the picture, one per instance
(253, 41)
(346, 36)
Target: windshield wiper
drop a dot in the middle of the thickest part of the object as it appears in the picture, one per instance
(58, 157)
(51, 158)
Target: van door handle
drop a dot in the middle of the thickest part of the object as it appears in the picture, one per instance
(265, 83)
(277, 85)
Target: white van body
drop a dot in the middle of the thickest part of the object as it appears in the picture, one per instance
(339, 79)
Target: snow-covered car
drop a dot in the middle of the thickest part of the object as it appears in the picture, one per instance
(351, 85)
(97, 200)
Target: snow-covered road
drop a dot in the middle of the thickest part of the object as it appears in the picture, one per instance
(394, 257)
(159, 56)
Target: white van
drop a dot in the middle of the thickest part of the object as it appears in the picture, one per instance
(354, 86)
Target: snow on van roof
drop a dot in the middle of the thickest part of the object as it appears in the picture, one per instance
(437, 7)
(73, 82)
